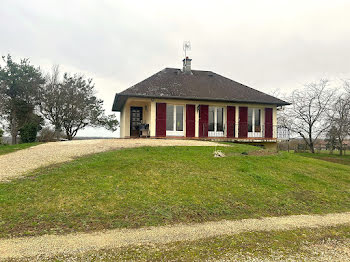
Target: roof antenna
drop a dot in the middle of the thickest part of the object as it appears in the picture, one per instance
(186, 47)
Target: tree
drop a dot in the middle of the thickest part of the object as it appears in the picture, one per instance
(309, 111)
(340, 119)
(51, 103)
(71, 105)
(331, 139)
(19, 87)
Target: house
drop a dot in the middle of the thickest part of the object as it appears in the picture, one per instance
(197, 104)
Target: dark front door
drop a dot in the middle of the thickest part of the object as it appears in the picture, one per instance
(135, 120)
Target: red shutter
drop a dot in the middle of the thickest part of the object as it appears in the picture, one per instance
(161, 120)
(190, 120)
(243, 122)
(203, 121)
(268, 123)
(231, 115)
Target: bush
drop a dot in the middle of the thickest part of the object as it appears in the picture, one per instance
(47, 135)
(28, 133)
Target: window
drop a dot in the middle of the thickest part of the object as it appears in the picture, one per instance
(254, 122)
(169, 117)
(179, 118)
(257, 122)
(174, 120)
(211, 118)
(216, 121)
(250, 120)
(220, 119)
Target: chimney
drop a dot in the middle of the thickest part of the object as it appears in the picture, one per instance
(187, 65)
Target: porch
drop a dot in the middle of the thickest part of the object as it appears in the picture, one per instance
(142, 117)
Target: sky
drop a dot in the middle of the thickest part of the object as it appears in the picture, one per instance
(268, 45)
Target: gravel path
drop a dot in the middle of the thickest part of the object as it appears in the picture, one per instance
(19, 163)
(49, 245)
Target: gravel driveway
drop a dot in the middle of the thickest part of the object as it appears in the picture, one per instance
(21, 162)
(49, 245)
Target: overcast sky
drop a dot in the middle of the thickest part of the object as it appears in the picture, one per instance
(267, 45)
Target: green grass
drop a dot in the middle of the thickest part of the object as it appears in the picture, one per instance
(5, 149)
(244, 247)
(164, 185)
(335, 158)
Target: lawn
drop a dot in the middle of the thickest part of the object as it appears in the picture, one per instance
(335, 158)
(5, 149)
(163, 185)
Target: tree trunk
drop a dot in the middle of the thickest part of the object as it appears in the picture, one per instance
(340, 145)
(57, 133)
(14, 139)
(69, 136)
(312, 148)
(14, 131)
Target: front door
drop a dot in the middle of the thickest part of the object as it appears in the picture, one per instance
(135, 120)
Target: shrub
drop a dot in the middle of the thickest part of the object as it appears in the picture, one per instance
(47, 134)
(28, 133)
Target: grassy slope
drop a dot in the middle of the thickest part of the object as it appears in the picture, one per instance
(152, 186)
(5, 149)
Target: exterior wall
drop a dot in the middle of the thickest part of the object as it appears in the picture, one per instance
(152, 125)
(274, 120)
(122, 123)
(149, 113)
(196, 120)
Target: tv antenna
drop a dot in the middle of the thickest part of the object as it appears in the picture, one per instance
(186, 47)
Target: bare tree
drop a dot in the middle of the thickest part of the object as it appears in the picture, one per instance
(340, 120)
(51, 100)
(331, 139)
(70, 104)
(346, 84)
(308, 115)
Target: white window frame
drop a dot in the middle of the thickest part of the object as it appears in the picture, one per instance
(174, 132)
(216, 133)
(253, 133)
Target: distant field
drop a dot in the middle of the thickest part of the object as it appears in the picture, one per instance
(335, 158)
(5, 149)
(164, 185)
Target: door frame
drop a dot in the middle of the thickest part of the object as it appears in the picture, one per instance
(216, 133)
(174, 132)
(131, 108)
(255, 133)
